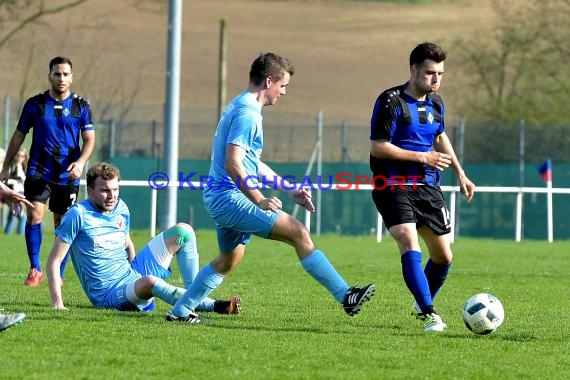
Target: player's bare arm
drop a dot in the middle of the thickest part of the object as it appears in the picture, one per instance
(467, 188)
(234, 166)
(130, 248)
(58, 252)
(15, 200)
(299, 196)
(389, 151)
(75, 169)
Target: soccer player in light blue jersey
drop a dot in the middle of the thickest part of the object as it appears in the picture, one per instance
(58, 118)
(240, 209)
(96, 230)
(409, 145)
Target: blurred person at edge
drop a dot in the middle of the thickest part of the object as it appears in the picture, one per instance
(16, 178)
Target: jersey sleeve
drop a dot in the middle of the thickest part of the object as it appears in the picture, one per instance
(70, 225)
(439, 109)
(86, 123)
(384, 117)
(27, 117)
(243, 130)
(442, 124)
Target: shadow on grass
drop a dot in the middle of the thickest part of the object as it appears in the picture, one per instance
(349, 329)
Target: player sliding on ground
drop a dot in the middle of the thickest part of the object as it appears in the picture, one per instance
(240, 209)
(103, 255)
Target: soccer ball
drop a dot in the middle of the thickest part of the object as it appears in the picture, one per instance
(483, 313)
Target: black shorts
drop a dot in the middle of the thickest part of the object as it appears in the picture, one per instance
(61, 197)
(422, 204)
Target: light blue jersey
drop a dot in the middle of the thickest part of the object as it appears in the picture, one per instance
(241, 125)
(98, 248)
(235, 215)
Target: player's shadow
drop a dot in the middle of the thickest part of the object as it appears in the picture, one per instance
(227, 324)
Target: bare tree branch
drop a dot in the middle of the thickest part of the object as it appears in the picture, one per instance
(40, 13)
(516, 68)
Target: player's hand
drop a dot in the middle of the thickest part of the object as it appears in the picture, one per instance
(59, 307)
(16, 208)
(438, 160)
(303, 199)
(272, 204)
(14, 198)
(75, 169)
(467, 188)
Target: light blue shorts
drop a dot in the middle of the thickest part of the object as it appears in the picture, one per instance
(237, 218)
(144, 264)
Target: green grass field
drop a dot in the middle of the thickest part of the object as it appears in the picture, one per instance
(291, 328)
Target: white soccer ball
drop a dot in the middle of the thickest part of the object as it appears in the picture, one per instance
(483, 313)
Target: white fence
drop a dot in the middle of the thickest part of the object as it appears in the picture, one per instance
(453, 190)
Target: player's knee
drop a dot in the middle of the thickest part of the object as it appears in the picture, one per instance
(406, 242)
(183, 233)
(405, 239)
(226, 262)
(143, 286)
(444, 258)
(303, 234)
(301, 237)
(148, 280)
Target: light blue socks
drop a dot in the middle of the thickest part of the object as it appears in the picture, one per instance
(204, 283)
(166, 292)
(319, 267)
(188, 261)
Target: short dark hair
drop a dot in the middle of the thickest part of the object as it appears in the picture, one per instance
(427, 50)
(58, 61)
(103, 170)
(269, 65)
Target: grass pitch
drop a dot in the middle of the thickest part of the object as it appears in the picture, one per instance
(290, 327)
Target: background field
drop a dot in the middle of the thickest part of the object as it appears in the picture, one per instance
(291, 328)
(345, 53)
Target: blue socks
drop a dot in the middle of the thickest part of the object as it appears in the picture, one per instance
(33, 234)
(319, 267)
(436, 275)
(205, 282)
(425, 284)
(34, 237)
(416, 279)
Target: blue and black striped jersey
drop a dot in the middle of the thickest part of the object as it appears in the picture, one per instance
(57, 127)
(408, 124)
